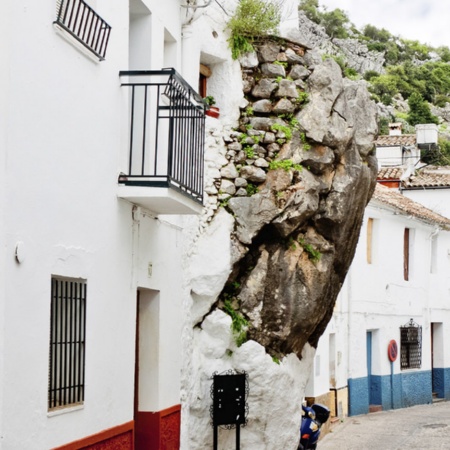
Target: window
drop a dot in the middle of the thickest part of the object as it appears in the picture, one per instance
(410, 346)
(84, 24)
(205, 73)
(408, 248)
(369, 253)
(434, 249)
(67, 343)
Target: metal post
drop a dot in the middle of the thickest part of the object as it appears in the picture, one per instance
(238, 437)
(215, 438)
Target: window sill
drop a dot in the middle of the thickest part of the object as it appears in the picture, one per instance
(64, 410)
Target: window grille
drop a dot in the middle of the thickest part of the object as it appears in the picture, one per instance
(84, 24)
(67, 343)
(411, 346)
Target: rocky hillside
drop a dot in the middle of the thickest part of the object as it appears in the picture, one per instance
(394, 68)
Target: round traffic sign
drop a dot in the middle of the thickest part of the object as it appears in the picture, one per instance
(392, 350)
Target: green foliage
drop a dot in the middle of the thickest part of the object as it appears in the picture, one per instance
(281, 63)
(419, 111)
(224, 203)
(351, 73)
(383, 126)
(249, 152)
(239, 324)
(210, 100)
(252, 19)
(305, 143)
(311, 10)
(276, 360)
(313, 254)
(370, 74)
(376, 34)
(283, 128)
(249, 112)
(336, 23)
(303, 97)
(251, 189)
(285, 164)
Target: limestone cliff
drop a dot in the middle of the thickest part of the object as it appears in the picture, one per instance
(291, 184)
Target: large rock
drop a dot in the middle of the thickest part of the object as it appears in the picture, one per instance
(279, 257)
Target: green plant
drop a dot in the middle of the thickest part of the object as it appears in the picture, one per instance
(285, 164)
(281, 63)
(251, 189)
(252, 19)
(419, 111)
(249, 152)
(249, 112)
(239, 324)
(243, 138)
(313, 254)
(306, 145)
(303, 97)
(224, 202)
(210, 100)
(278, 79)
(283, 128)
(275, 360)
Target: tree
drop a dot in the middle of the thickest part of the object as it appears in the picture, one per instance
(311, 10)
(335, 23)
(419, 111)
(252, 19)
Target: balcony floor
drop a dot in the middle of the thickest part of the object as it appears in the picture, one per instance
(159, 200)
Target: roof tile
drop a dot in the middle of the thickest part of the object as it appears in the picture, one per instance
(394, 199)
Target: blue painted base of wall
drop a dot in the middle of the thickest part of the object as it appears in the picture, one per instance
(395, 391)
(441, 383)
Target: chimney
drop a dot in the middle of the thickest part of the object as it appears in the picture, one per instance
(395, 129)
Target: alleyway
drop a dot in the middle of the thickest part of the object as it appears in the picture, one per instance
(418, 427)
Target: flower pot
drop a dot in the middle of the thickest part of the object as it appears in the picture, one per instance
(213, 111)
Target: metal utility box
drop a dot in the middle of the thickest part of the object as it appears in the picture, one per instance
(427, 134)
(229, 399)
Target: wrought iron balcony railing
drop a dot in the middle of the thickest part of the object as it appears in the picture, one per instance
(85, 25)
(167, 133)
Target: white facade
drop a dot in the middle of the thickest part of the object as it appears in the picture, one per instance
(376, 301)
(64, 137)
(64, 142)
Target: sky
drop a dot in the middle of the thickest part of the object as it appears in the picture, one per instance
(427, 21)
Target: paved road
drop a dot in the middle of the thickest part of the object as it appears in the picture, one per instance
(418, 427)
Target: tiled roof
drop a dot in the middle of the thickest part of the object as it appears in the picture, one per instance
(429, 177)
(405, 205)
(390, 173)
(392, 141)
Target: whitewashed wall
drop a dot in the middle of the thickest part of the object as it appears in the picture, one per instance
(376, 297)
(63, 136)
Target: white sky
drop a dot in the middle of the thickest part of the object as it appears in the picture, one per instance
(427, 21)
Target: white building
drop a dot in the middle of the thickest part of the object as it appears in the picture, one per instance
(396, 290)
(91, 267)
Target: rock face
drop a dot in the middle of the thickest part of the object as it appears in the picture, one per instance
(355, 53)
(288, 237)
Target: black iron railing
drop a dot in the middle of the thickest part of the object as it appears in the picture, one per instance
(167, 133)
(85, 25)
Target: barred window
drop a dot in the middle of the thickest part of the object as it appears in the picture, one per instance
(67, 343)
(411, 346)
(78, 19)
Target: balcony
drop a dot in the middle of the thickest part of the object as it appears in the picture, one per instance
(165, 172)
(82, 23)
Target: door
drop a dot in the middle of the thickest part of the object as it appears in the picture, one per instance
(370, 380)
